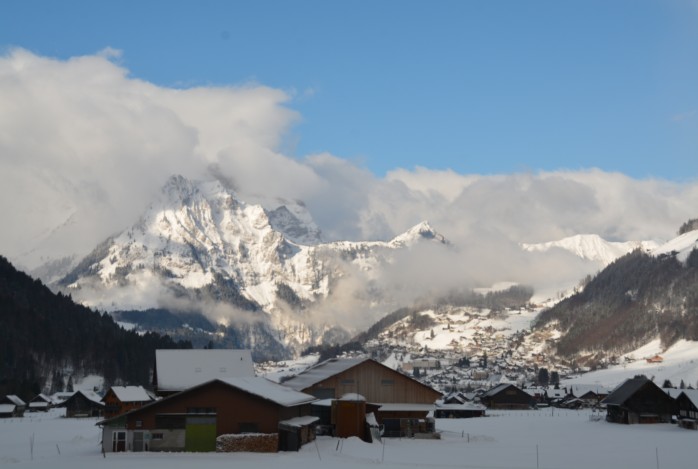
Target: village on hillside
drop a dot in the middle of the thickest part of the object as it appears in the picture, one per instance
(214, 401)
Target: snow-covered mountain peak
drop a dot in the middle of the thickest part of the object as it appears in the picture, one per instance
(419, 232)
(592, 247)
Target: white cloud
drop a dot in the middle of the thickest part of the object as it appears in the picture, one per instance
(85, 144)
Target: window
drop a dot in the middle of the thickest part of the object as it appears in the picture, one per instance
(201, 410)
(170, 422)
(139, 423)
(347, 381)
(156, 436)
(387, 382)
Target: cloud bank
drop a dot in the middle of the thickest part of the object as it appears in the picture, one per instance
(84, 147)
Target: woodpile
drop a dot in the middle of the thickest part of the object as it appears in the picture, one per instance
(248, 442)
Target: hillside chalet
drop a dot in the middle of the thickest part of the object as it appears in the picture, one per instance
(507, 396)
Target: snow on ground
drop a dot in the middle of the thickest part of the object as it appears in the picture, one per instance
(680, 363)
(549, 439)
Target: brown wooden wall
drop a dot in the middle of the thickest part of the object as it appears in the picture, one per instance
(232, 407)
(373, 381)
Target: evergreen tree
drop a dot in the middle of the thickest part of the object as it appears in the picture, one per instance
(543, 377)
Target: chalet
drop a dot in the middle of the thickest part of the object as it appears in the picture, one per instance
(192, 420)
(639, 400)
(83, 404)
(402, 403)
(507, 396)
(687, 405)
(177, 370)
(120, 399)
(12, 406)
(40, 403)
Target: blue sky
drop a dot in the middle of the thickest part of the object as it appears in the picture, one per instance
(480, 87)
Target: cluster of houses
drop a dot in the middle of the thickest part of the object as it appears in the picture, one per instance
(211, 400)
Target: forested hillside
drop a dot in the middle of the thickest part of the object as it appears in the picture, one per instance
(635, 299)
(46, 338)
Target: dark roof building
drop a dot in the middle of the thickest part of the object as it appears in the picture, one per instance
(507, 396)
(83, 404)
(639, 400)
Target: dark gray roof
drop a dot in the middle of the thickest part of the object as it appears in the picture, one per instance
(497, 389)
(625, 391)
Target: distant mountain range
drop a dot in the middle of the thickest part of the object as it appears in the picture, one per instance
(206, 266)
(199, 248)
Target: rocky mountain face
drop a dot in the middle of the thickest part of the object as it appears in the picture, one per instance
(199, 248)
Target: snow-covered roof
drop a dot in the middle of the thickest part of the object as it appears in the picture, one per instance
(42, 397)
(38, 405)
(7, 408)
(131, 393)
(178, 370)
(321, 372)
(691, 394)
(270, 390)
(465, 406)
(58, 397)
(578, 390)
(303, 421)
(91, 395)
(15, 400)
(352, 396)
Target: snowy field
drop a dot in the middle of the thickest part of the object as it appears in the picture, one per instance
(517, 439)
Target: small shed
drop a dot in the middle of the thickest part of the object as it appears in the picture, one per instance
(83, 404)
(639, 400)
(18, 404)
(40, 403)
(295, 432)
(507, 396)
(458, 411)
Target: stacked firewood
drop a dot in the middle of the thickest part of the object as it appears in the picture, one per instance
(248, 442)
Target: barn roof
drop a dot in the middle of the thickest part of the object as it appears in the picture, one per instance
(578, 390)
(497, 389)
(270, 390)
(131, 393)
(15, 400)
(626, 390)
(177, 370)
(691, 395)
(322, 371)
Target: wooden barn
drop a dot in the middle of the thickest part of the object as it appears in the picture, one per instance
(639, 400)
(400, 403)
(83, 404)
(120, 399)
(191, 420)
(507, 396)
(377, 383)
(687, 406)
(177, 370)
